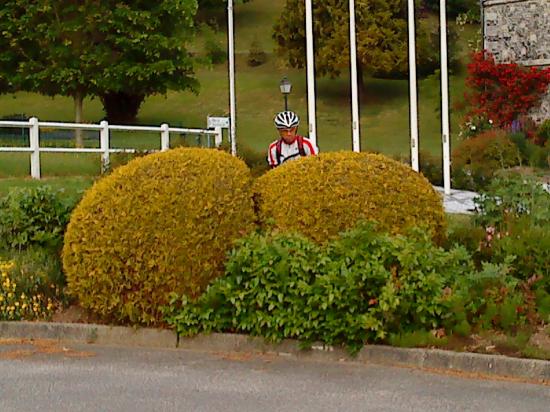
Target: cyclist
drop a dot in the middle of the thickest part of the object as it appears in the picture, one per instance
(290, 145)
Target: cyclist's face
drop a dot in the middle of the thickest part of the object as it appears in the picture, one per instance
(288, 135)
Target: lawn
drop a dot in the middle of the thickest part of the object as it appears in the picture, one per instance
(72, 187)
(384, 107)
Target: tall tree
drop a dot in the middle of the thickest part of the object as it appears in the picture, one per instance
(96, 47)
(381, 36)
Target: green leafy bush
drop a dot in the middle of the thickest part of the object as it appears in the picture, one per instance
(511, 197)
(163, 223)
(487, 300)
(476, 160)
(530, 245)
(532, 154)
(515, 212)
(463, 231)
(32, 216)
(358, 288)
(321, 196)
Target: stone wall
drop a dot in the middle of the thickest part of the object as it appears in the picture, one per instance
(519, 31)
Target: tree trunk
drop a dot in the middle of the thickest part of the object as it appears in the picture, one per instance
(121, 107)
(78, 98)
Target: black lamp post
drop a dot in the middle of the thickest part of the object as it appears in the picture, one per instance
(286, 88)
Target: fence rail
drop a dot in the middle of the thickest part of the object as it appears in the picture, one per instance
(103, 128)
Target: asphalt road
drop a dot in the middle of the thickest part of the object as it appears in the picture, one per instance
(47, 377)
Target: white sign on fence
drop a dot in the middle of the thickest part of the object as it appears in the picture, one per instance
(213, 122)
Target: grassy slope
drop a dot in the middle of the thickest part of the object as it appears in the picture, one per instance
(384, 109)
(73, 187)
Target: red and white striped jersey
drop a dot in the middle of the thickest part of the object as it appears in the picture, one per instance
(289, 151)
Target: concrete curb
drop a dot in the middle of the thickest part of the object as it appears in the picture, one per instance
(497, 365)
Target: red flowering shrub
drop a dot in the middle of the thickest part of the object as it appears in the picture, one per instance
(503, 92)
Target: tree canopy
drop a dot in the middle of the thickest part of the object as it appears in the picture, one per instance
(381, 28)
(78, 49)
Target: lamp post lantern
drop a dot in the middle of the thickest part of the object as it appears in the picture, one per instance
(286, 88)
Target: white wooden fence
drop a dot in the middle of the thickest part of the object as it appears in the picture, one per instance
(103, 128)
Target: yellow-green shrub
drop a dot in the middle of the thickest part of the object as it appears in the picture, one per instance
(163, 223)
(323, 195)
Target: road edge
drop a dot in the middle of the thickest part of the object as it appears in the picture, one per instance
(491, 365)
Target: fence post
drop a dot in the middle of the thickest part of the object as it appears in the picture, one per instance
(164, 137)
(218, 139)
(34, 140)
(104, 142)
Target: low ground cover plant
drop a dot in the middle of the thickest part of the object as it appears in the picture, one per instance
(27, 290)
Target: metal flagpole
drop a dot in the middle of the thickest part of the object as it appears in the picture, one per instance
(413, 94)
(353, 70)
(311, 113)
(231, 37)
(445, 137)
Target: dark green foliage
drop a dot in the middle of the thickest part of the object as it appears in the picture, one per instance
(431, 167)
(515, 209)
(477, 159)
(533, 155)
(358, 288)
(92, 48)
(456, 7)
(489, 299)
(530, 244)
(466, 233)
(32, 216)
(543, 132)
(543, 305)
(121, 107)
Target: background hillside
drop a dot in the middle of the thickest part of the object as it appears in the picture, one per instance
(384, 107)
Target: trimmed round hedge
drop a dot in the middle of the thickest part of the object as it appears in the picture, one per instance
(321, 196)
(163, 223)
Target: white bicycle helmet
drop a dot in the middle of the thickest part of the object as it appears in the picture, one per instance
(286, 120)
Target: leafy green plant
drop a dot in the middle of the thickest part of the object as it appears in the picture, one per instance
(476, 160)
(32, 216)
(530, 245)
(485, 300)
(532, 154)
(511, 197)
(358, 288)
